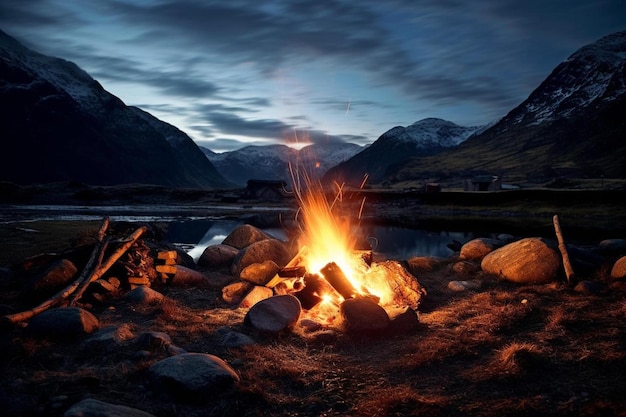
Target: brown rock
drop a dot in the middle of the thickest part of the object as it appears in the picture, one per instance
(57, 276)
(477, 248)
(363, 315)
(527, 261)
(245, 235)
(618, 271)
(234, 293)
(261, 251)
(260, 273)
(217, 256)
(256, 294)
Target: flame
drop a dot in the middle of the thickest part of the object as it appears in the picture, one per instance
(331, 237)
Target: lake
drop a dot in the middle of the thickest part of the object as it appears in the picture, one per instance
(195, 228)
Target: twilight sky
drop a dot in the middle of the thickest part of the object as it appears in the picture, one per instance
(237, 72)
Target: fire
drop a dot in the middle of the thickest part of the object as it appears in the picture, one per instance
(330, 238)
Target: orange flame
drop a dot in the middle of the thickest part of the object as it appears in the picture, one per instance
(330, 237)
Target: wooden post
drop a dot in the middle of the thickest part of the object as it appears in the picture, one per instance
(569, 271)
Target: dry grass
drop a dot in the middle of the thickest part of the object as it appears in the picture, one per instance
(500, 350)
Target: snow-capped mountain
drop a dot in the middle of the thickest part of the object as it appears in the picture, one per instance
(394, 147)
(572, 124)
(59, 124)
(595, 73)
(272, 162)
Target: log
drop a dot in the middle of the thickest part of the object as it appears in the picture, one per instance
(94, 275)
(569, 271)
(67, 291)
(338, 280)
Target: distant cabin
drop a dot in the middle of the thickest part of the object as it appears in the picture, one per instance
(266, 189)
(483, 183)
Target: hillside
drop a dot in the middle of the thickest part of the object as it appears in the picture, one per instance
(59, 124)
(572, 125)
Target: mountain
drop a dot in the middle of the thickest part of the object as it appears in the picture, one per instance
(59, 124)
(572, 124)
(271, 162)
(398, 145)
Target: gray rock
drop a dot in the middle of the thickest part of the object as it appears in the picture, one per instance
(527, 261)
(58, 275)
(613, 247)
(192, 377)
(216, 256)
(402, 319)
(231, 339)
(95, 408)
(64, 322)
(274, 314)
(144, 295)
(109, 338)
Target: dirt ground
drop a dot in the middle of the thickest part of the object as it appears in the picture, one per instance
(498, 350)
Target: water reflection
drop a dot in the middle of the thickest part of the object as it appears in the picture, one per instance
(390, 242)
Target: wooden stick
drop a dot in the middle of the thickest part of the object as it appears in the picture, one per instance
(100, 270)
(64, 293)
(569, 271)
(97, 273)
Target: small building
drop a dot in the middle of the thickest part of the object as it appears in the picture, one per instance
(483, 183)
(266, 189)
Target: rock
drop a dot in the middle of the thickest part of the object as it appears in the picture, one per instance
(258, 252)
(234, 293)
(95, 408)
(526, 261)
(590, 287)
(465, 268)
(187, 277)
(402, 319)
(613, 247)
(57, 276)
(154, 340)
(244, 236)
(144, 295)
(193, 377)
(477, 248)
(618, 271)
(362, 315)
(64, 322)
(407, 291)
(109, 338)
(460, 286)
(260, 273)
(216, 256)
(255, 295)
(274, 314)
(231, 339)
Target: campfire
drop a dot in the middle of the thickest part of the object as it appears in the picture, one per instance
(332, 265)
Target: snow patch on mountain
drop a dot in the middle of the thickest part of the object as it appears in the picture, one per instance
(430, 133)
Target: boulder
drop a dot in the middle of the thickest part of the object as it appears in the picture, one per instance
(274, 314)
(526, 261)
(95, 408)
(193, 377)
(231, 339)
(63, 322)
(255, 295)
(56, 277)
(244, 236)
(618, 271)
(234, 293)
(402, 319)
(109, 338)
(260, 273)
(216, 256)
(477, 248)
(258, 252)
(187, 277)
(144, 295)
(612, 247)
(362, 315)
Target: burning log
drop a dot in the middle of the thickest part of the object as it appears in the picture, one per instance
(289, 285)
(335, 277)
(314, 287)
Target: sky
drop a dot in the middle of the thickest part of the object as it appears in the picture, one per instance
(252, 72)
